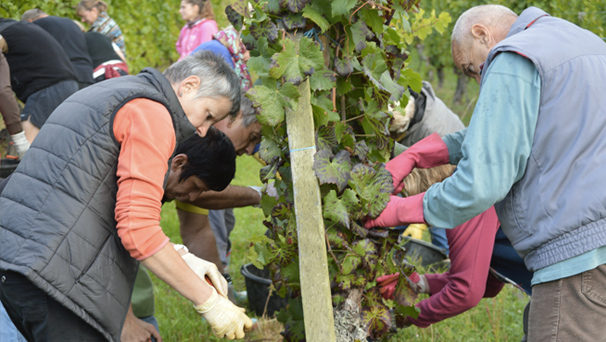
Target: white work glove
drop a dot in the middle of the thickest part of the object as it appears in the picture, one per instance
(272, 191)
(205, 268)
(21, 143)
(226, 319)
(259, 190)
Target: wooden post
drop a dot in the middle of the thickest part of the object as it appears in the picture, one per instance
(313, 265)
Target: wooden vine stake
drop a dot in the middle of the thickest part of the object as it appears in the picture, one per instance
(313, 265)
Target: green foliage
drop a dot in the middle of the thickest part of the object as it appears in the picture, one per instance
(588, 14)
(150, 28)
(355, 57)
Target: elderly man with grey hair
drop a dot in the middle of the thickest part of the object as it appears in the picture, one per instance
(536, 150)
(83, 207)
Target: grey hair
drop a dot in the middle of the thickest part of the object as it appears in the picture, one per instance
(217, 78)
(32, 14)
(249, 112)
(489, 15)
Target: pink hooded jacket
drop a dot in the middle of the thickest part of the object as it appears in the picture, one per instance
(194, 34)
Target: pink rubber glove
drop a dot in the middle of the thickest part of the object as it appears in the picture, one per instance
(399, 211)
(387, 283)
(429, 152)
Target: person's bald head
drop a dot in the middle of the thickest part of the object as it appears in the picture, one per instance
(476, 31)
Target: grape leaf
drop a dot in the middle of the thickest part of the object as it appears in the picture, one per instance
(340, 7)
(373, 19)
(373, 296)
(373, 187)
(338, 209)
(249, 41)
(273, 102)
(343, 86)
(360, 33)
(294, 6)
(260, 65)
(368, 251)
(234, 17)
(273, 7)
(396, 90)
(406, 291)
(343, 67)
(411, 311)
(332, 169)
(269, 150)
(361, 151)
(350, 264)
(375, 69)
(322, 80)
(314, 15)
(267, 204)
(335, 238)
(294, 63)
(359, 230)
(265, 29)
(268, 171)
(281, 211)
(376, 319)
(411, 79)
(294, 21)
(344, 281)
(239, 6)
(326, 139)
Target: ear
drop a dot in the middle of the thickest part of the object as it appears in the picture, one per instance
(189, 84)
(178, 162)
(481, 33)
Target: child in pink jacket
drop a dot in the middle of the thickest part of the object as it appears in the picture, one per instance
(200, 26)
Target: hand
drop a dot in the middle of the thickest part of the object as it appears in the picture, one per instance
(136, 330)
(226, 319)
(387, 283)
(399, 211)
(204, 268)
(428, 152)
(415, 230)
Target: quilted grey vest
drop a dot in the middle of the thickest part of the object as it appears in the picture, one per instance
(57, 223)
(558, 209)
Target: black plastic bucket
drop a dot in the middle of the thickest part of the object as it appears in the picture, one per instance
(427, 253)
(257, 289)
(7, 166)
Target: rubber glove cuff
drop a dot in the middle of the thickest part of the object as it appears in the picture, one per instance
(209, 304)
(428, 152)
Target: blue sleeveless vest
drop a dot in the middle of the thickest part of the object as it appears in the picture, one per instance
(558, 209)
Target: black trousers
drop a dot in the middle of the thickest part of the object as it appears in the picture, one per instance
(39, 317)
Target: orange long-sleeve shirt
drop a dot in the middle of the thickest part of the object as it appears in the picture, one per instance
(145, 132)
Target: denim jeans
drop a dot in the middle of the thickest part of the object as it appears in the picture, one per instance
(8, 331)
(569, 309)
